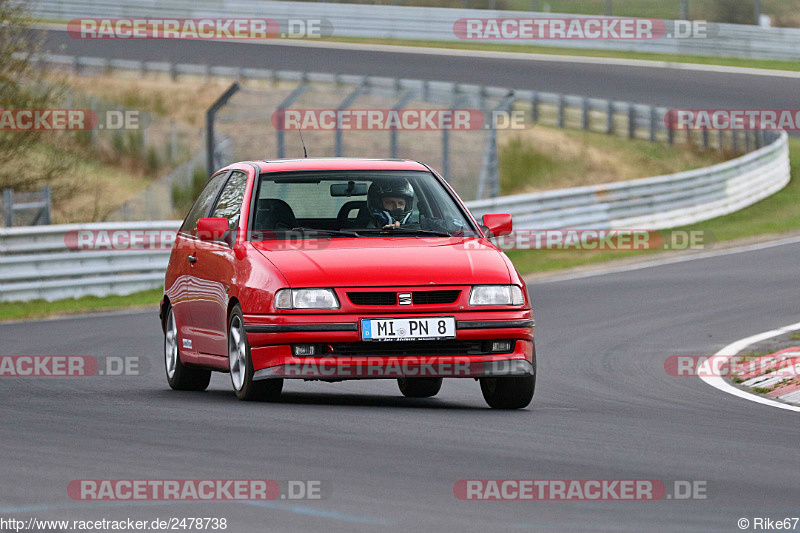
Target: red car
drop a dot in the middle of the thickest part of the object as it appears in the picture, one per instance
(334, 269)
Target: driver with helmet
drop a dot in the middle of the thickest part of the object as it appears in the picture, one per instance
(390, 202)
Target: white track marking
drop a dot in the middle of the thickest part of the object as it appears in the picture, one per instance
(736, 347)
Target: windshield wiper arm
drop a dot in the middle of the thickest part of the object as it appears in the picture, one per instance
(305, 230)
(413, 231)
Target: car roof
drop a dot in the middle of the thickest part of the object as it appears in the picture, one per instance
(338, 163)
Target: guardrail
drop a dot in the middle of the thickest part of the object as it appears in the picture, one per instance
(653, 203)
(28, 271)
(425, 23)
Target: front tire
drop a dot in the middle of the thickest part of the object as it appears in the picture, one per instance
(510, 392)
(419, 387)
(179, 376)
(241, 365)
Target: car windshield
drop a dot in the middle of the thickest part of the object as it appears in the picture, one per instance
(356, 204)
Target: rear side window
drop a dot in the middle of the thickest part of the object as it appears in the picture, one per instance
(229, 204)
(203, 204)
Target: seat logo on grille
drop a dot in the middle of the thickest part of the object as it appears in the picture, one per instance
(404, 298)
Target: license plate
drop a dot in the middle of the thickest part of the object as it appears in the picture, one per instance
(408, 329)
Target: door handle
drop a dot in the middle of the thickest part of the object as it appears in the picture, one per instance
(192, 259)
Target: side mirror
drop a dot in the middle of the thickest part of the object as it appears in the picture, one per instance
(497, 225)
(212, 229)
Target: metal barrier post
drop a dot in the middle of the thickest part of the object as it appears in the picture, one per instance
(347, 102)
(631, 121)
(210, 114)
(47, 200)
(585, 114)
(652, 124)
(293, 96)
(8, 206)
(393, 141)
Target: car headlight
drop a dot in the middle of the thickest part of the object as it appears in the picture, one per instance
(306, 299)
(496, 295)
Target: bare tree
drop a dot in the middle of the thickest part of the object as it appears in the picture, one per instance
(23, 86)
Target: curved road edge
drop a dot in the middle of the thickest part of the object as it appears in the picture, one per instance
(734, 348)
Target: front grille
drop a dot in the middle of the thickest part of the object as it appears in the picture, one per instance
(435, 297)
(373, 298)
(401, 348)
(390, 298)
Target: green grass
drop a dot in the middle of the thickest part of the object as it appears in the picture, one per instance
(795, 336)
(574, 158)
(41, 308)
(777, 214)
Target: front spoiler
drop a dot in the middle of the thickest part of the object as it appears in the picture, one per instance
(396, 367)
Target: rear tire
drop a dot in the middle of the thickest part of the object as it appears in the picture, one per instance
(180, 376)
(419, 387)
(241, 365)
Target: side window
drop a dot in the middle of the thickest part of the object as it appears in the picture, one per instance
(203, 203)
(230, 200)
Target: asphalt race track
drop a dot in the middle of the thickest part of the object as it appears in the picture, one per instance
(604, 409)
(667, 87)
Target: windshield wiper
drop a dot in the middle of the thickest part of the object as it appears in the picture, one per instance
(331, 232)
(413, 231)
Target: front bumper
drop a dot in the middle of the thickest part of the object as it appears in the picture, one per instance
(271, 338)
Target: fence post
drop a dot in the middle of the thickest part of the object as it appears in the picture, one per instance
(393, 140)
(561, 105)
(610, 117)
(631, 121)
(47, 200)
(210, 115)
(585, 114)
(653, 124)
(293, 96)
(347, 102)
(535, 107)
(705, 138)
(670, 123)
(490, 171)
(8, 206)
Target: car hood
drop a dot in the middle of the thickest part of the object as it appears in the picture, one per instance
(371, 262)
